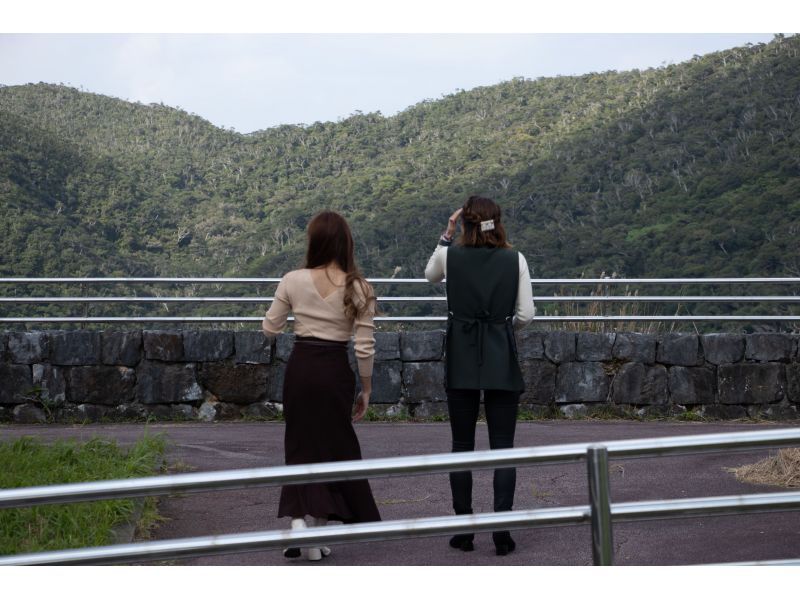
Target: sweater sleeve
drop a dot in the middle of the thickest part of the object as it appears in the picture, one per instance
(525, 309)
(275, 319)
(364, 340)
(436, 269)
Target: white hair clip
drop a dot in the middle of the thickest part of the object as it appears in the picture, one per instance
(487, 225)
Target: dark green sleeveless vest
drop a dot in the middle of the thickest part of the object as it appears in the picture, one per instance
(480, 350)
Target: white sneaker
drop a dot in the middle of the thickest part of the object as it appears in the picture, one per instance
(323, 550)
(314, 554)
(293, 553)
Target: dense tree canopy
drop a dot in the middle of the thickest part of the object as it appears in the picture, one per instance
(690, 169)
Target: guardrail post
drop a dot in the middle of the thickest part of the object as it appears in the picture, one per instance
(602, 543)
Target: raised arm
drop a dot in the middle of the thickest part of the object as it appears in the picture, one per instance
(436, 270)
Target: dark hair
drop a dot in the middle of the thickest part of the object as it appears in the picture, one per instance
(480, 209)
(330, 240)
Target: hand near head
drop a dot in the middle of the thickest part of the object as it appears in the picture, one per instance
(451, 223)
(361, 404)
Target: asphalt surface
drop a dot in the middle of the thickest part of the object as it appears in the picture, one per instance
(216, 446)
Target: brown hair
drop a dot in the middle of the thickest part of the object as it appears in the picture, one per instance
(330, 240)
(479, 209)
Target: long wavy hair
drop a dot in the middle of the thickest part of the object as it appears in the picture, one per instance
(478, 209)
(330, 240)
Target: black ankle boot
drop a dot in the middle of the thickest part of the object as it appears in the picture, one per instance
(503, 544)
(463, 542)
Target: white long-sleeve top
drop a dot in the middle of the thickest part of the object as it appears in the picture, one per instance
(436, 271)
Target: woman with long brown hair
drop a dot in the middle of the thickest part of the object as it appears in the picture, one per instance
(331, 302)
(488, 297)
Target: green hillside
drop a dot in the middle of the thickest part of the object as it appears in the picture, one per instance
(686, 170)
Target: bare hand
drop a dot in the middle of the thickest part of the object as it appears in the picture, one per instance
(361, 404)
(451, 223)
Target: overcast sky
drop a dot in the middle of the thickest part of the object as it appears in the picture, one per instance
(255, 81)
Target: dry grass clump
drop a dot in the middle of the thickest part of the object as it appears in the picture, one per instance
(605, 308)
(782, 469)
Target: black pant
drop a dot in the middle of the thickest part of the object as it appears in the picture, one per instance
(501, 417)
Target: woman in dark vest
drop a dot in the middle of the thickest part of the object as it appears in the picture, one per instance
(488, 297)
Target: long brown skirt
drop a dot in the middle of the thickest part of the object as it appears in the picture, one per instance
(318, 392)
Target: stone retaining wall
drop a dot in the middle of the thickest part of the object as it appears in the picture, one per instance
(209, 374)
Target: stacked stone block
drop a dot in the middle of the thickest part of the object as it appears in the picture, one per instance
(210, 375)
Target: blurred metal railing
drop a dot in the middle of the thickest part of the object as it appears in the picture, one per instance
(602, 298)
(600, 513)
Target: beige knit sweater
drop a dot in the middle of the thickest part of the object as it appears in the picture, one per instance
(321, 317)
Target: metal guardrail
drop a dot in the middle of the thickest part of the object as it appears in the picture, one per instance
(600, 513)
(536, 282)
(244, 319)
(387, 467)
(556, 299)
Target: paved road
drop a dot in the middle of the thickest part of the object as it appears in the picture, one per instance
(204, 447)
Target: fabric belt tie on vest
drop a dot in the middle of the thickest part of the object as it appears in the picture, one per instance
(477, 326)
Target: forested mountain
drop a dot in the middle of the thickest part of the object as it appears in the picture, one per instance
(690, 169)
